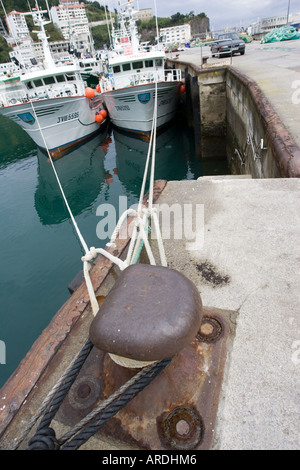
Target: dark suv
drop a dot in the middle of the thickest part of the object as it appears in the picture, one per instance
(227, 44)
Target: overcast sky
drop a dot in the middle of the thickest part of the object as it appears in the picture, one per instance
(222, 13)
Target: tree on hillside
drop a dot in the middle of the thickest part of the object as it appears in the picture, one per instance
(100, 36)
(177, 19)
(4, 50)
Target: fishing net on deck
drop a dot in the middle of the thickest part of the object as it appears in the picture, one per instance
(286, 33)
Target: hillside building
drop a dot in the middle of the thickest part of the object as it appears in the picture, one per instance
(145, 14)
(17, 26)
(71, 19)
(176, 34)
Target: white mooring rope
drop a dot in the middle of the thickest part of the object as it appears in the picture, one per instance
(139, 236)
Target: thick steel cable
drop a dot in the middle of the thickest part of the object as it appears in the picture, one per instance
(116, 405)
(45, 438)
(60, 393)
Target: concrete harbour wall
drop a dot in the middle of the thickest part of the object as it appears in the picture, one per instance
(249, 149)
(232, 117)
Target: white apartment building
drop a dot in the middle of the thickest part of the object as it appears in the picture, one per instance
(265, 25)
(17, 26)
(69, 2)
(177, 34)
(71, 17)
(272, 22)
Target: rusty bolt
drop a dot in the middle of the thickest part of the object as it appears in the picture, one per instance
(210, 330)
(84, 392)
(182, 428)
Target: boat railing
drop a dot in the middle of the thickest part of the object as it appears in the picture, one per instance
(151, 48)
(9, 98)
(111, 82)
(54, 91)
(139, 78)
(173, 75)
(170, 75)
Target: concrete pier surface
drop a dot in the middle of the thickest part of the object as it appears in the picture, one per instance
(249, 264)
(275, 67)
(251, 240)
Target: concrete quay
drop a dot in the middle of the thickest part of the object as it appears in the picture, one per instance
(251, 238)
(251, 241)
(275, 67)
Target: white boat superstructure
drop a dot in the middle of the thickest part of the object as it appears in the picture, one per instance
(50, 103)
(132, 74)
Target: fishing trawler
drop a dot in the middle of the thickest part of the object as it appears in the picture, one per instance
(52, 103)
(132, 74)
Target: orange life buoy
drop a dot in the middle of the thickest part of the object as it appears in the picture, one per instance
(89, 92)
(98, 118)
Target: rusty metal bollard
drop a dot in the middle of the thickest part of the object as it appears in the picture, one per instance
(151, 313)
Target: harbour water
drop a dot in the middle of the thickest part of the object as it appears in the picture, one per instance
(40, 251)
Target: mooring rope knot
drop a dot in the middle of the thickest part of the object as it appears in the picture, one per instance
(90, 255)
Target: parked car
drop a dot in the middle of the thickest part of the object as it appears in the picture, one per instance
(227, 44)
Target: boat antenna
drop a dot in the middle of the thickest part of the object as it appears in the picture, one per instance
(49, 12)
(3, 9)
(155, 13)
(111, 21)
(288, 12)
(42, 35)
(107, 24)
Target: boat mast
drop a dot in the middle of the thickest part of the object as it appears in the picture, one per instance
(132, 27)
(39, 21)
(156, 23)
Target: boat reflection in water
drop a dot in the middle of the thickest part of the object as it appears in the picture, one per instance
(82, 176)
(108, 166)
(174, 158)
